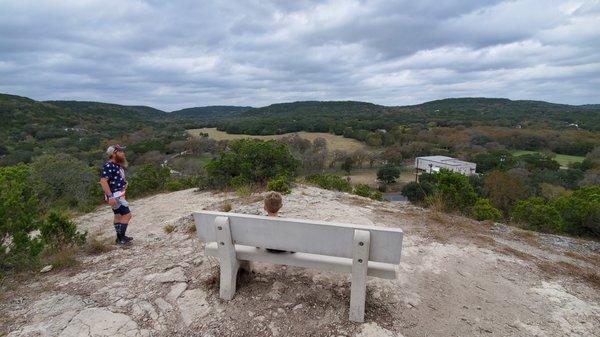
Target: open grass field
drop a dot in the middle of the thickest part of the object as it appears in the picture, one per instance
(334, 142)
(562, 159)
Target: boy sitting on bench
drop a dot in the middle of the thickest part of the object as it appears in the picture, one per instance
(273, 203)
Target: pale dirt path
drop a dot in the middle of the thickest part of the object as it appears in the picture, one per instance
(458, 277)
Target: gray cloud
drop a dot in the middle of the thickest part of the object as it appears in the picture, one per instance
(175, 54)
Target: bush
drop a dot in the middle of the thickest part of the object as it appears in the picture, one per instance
(455, 190)
(280, 185)
(182, 183)
(536, 214)
(417, 192)
(388, 174)
(64, 180)
(18, 217)
(483, 210)
(376, 195)
(503, 190)
(330, 182)
(362, 190)
(147, 178)
(251, 161)
(58, 231)
(580, 211)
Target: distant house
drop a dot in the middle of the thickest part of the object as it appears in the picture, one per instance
(432, 164)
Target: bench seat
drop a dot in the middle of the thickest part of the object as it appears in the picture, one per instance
(358, 250)
(305, 260)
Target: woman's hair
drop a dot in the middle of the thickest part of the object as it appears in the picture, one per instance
(273, 202)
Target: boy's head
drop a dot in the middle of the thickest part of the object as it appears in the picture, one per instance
(273, 202)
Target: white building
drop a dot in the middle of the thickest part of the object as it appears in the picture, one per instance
(432, 164)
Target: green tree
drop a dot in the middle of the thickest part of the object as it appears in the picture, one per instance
(251, 161)
(483, 210)
(503, 190)
(63, 179)
(348, 165)
(388, 174)
(18, 217)
(536, 160)
(538, 215)
(147, 178)
(580, 211)
(455, 190)
(417, 192)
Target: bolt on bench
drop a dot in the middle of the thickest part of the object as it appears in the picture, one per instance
(359, 250)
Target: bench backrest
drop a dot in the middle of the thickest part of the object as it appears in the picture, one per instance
(307, 236)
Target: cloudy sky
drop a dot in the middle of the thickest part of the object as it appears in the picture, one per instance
(175, 54)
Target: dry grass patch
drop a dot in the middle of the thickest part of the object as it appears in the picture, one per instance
(226, 206)
(591, 277)
(169, 229)
(96, 245)
(62, 258)
(514, 252)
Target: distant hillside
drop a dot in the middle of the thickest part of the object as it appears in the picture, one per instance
(214, 111)
(30, 128)
(106, 108)
(336, 116)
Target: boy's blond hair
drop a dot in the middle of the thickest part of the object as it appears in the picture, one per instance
(273, 202)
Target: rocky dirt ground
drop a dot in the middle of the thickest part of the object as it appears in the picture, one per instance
(458, 277)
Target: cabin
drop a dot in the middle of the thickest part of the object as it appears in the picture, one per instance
(431, 164)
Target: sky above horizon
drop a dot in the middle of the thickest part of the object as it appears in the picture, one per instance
(184, 53)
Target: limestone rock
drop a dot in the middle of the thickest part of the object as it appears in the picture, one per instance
(50, 315)
(176, 291)
(374, 330)
(101, 322)
(192, 306)
(46, 269)
(172, 275)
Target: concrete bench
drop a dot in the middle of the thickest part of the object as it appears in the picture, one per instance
(358, 250)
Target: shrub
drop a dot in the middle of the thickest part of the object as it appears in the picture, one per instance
(376, 195)
(362, 190)
(483, 210)
(174, 185)
(417, 192)
(536, 214)
(580, 211)
(147, 178)
(348, 165)
(388, 174)
(455, 190)
(280, 185)
(18, 217)
(251, 161)
(330, 182)
(503, 190)
(58, 231)
(536, 160)
(243, 191)
(63, 179)
(168, 229)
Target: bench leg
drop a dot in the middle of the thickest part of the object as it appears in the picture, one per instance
(360, 260)
(228, 261)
